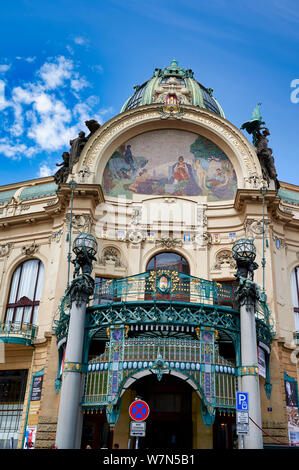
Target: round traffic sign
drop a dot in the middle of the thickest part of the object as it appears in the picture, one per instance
(139, 410)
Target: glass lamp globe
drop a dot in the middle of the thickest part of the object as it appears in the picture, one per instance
(244, 250)
(87, 241)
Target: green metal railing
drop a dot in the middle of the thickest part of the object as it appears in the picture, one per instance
(17, 331)
(164, 285)
(183, 356)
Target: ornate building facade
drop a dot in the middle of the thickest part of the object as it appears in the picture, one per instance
(166, 188)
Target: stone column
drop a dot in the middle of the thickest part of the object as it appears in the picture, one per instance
(67, 436)
(248, 293)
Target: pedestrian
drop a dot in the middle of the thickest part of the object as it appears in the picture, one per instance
(116, 446)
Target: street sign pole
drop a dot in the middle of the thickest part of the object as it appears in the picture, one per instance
(139, 412)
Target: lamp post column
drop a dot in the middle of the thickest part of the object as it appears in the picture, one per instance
(247, 295)
(249, 368)
(80, 290)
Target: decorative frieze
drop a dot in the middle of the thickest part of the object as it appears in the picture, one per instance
(169, 243)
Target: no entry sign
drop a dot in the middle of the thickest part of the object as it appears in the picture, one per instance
(139, 410)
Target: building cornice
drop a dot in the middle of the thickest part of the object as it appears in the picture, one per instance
(55, 207)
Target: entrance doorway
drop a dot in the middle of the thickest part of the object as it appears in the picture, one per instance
(224, 432)
(169, 425)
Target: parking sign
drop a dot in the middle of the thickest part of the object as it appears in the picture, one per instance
(242, 401)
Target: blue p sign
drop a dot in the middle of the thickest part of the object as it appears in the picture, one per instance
(242, 401)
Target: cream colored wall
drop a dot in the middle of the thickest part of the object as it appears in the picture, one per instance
(122, 428)
(202, 435)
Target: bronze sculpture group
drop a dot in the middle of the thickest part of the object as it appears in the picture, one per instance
(72, 157)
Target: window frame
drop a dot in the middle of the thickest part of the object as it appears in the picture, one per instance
(180, 264)
(23, 301)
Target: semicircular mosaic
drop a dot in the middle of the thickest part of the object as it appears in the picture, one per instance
(170, 162)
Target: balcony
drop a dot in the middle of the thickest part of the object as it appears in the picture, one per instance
(167, 299)
(164, 286)
(18, 332)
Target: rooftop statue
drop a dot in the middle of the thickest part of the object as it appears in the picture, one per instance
(260, 141)
(61, 175)
(92, 126)
(77, 147)
(72, 157)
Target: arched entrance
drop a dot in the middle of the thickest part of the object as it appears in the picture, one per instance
(169, 424)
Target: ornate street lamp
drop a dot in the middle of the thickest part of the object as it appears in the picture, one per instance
(85, 247)
(80, 290)
(244, 252)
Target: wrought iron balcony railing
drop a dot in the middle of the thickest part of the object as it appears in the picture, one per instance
(17, 332)
(164, 285)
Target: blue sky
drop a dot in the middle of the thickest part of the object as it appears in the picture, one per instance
(64, 62)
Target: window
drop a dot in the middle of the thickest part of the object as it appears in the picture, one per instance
(295, 294)
(12, 393)
(168, 260)
(25, 292)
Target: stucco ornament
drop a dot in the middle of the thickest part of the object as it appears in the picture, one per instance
(30, 249)
(5, 249)
(135, 237)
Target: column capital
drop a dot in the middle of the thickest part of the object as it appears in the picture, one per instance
(247, 292)
(81, 289)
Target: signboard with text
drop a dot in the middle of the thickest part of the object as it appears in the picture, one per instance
(33, 411)
(137, 429)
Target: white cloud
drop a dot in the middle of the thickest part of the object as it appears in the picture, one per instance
(70, 49)
(47, 112)
(80, 41)
(15, 151)
(30, 59)
(79, 83)
(45, 170)
(54, 74)
(4, 67)
(3, 102)
(27, 59)
(98, 68)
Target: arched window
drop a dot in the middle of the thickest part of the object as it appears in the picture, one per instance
(168, 260)
(25, 292)
(295, 294)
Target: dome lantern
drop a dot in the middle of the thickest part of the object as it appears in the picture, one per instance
(175, 83)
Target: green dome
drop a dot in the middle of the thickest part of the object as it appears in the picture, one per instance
(173, 85)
